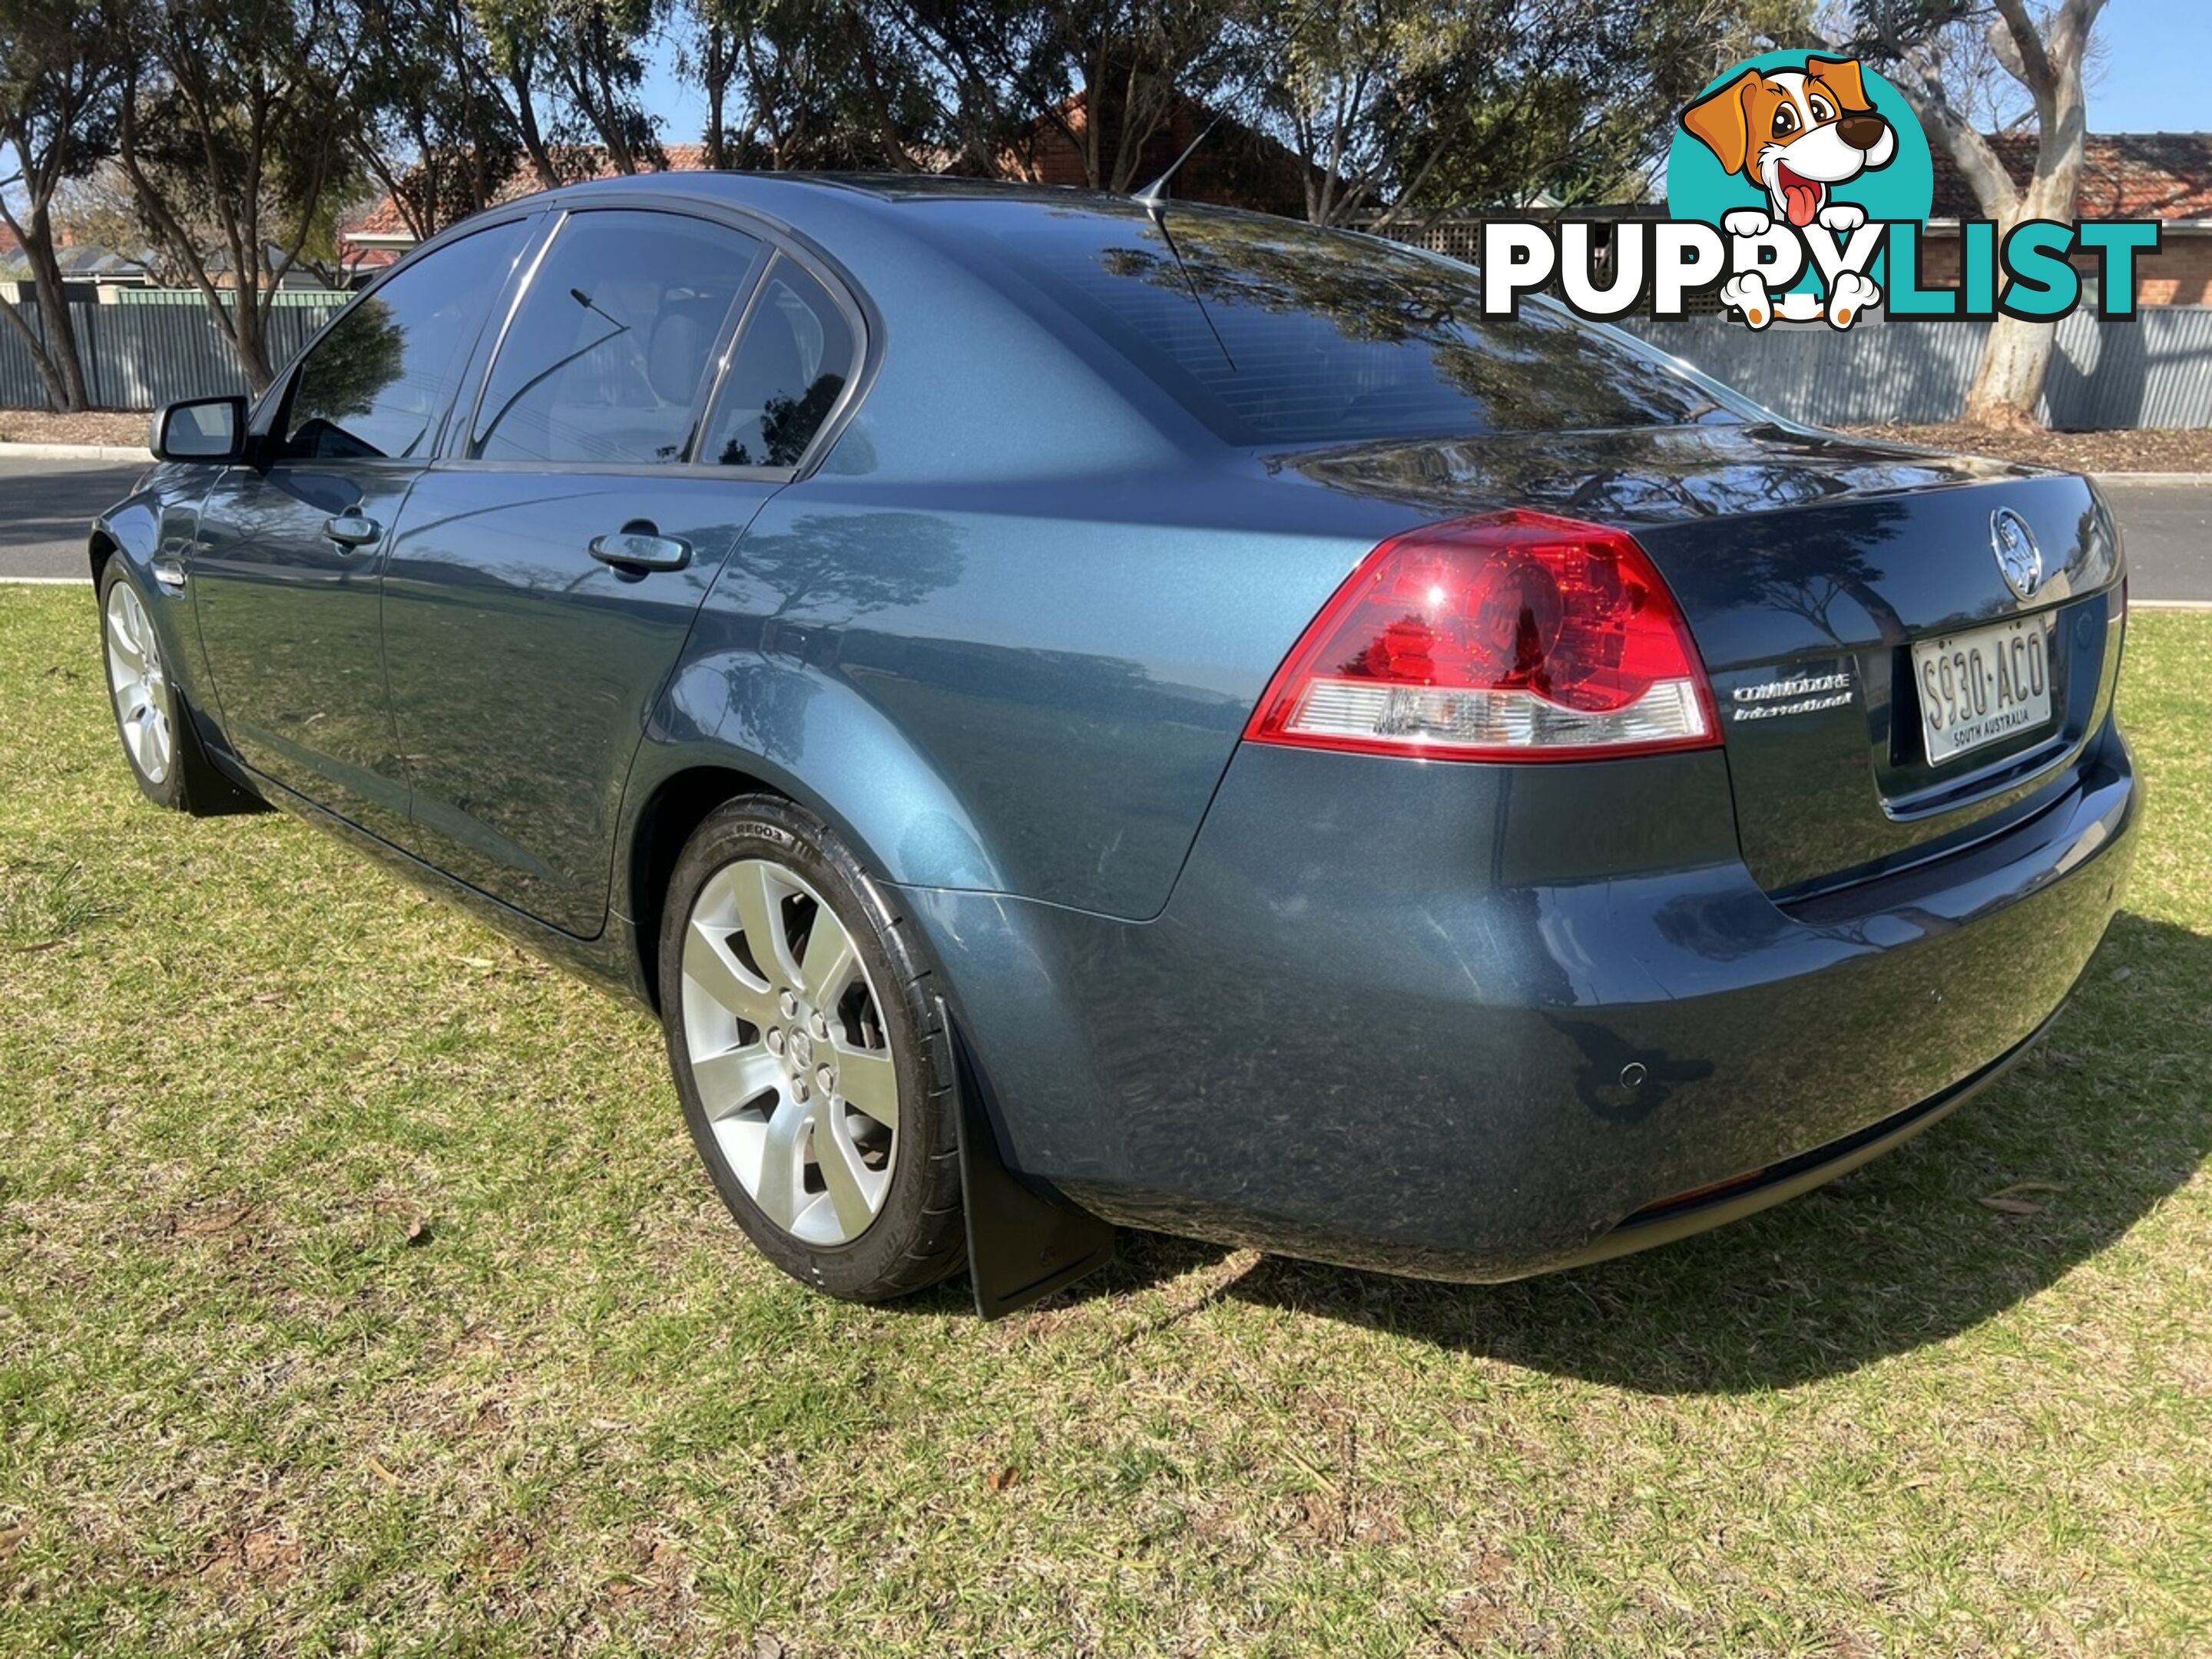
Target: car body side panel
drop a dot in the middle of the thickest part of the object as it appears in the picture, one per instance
(290, 622)
(523, 669)
(154, 529)
(1017, 650)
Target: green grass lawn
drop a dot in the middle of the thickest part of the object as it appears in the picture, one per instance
(359, 1293)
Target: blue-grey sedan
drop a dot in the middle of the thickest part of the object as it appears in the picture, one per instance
(1081, 713)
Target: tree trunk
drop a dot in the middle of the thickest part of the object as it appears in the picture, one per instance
(2014, 360)
(2008, 383)
(53, 349)
(61, 332)
(2016, 357)
(533, 140)
(244, 324)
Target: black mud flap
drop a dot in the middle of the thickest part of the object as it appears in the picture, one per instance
(1023, 1244)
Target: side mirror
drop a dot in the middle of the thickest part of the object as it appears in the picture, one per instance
(200, 429)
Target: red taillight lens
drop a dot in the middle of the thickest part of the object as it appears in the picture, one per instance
(1515, 636)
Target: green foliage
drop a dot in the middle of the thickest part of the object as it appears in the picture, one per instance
(358, 360)
(589, 55)
(233, 134)
(1423, 106)
(436, 130)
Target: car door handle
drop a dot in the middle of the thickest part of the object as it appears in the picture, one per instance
(352, 530)
(641, 547)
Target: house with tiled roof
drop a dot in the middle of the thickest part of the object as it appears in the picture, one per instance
(2165, 176)
(380, 234)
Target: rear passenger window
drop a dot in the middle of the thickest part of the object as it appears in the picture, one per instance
(606, 358)
(792, 360)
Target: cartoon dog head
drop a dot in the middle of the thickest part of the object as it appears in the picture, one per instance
(1794, 132)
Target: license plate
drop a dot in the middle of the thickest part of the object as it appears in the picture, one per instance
(1984, 684)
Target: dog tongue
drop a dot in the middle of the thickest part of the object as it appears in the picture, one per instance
(1804, 200)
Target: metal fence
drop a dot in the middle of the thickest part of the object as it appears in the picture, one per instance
(2155, 371)
(140, 355)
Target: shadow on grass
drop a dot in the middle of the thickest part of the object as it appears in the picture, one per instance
(2112, 1112)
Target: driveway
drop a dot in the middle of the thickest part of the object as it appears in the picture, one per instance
(46, 504)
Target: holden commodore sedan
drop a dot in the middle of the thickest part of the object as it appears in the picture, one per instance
(1081, 713)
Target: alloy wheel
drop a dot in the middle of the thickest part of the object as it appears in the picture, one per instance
(141, 689)
(788, 1047)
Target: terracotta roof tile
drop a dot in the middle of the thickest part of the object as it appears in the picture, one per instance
(2124, 175)
(573, 162)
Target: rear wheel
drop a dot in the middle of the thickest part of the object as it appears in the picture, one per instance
(815, 1078)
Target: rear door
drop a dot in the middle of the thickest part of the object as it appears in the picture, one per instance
(289, 551)
(546, 574)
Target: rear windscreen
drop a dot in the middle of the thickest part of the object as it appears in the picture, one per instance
(1274, 332)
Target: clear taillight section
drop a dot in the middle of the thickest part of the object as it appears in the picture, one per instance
(1514, 636)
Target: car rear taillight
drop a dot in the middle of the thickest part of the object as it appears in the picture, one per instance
(1513, 636)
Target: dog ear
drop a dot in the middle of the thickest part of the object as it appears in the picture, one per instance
(1721, 121)
(1841, 75)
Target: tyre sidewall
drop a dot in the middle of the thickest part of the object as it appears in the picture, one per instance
(905, 1247)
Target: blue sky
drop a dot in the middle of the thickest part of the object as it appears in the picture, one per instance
(2156, 75)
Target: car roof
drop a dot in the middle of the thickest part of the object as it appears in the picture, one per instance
(897, 190)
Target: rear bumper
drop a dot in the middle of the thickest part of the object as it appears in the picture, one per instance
(1700, 1210)
(1477, 1022)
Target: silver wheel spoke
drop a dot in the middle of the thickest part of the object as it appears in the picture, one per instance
(829, 961)
(123, 641)
(783, 1187)
(843, 1173)
(869, 1083)
(760, 913)
(709, 967)
(735, 1078)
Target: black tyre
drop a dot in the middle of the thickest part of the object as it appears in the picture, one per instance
(158, 738)
(806, 1046)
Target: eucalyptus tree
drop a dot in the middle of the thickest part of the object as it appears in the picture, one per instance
(808, 83)
(61, 71)
(2044, 52)
(434, 127)
(232, 127)
(1403, 110)
(575, 68)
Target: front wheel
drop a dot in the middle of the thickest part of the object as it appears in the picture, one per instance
(159, 741)
(814, 1076)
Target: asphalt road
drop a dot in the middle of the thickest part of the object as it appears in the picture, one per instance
(46, 504)
(46, 507)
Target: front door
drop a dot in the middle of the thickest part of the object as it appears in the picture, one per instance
(286, 573)
(546, 576)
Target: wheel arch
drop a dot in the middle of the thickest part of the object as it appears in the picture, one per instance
(99, 550)
(666, 820)
(735, 719)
